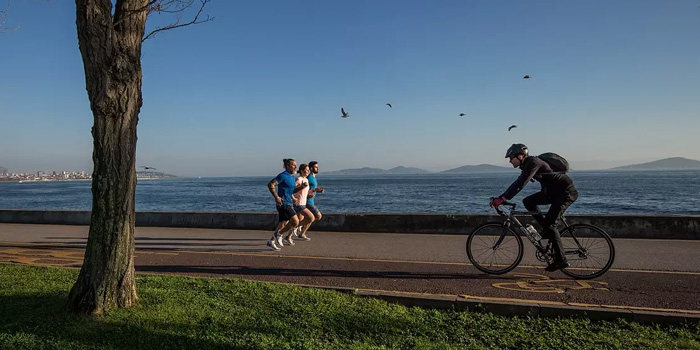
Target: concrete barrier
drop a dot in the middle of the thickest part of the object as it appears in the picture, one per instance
(618, 226)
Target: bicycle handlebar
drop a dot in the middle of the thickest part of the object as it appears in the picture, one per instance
(505, 203)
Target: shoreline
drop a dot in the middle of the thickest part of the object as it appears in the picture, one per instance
(74, 180)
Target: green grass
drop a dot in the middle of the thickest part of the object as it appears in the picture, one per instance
(201, 313)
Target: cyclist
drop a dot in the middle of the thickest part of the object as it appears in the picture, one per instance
(557, 189)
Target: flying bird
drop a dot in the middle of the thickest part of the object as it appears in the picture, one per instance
(389, 104)
(462, 114)
(512, 127)
(148, 168)
(345, 115)
(526, 77)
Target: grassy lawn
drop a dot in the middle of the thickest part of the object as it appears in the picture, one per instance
(203, 313)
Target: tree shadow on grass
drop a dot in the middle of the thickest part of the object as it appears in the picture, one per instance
(38, 321)
(42, 317)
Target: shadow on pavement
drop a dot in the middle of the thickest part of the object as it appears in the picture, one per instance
(295, 272)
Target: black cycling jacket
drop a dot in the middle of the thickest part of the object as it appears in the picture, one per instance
(536, 168)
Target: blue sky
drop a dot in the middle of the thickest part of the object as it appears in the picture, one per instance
(613, 82)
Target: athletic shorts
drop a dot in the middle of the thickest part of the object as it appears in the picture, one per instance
(286, 212)
(313, 209)
(299, 208)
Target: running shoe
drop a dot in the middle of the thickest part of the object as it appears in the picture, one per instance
(288, 240)
(304, 238)
(278, 239)
(272, 245)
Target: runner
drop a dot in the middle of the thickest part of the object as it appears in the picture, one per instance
(304, 216)
(285, 183)
(310, 203)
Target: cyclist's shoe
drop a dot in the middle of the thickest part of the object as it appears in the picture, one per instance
(557, 265)
(272, 245)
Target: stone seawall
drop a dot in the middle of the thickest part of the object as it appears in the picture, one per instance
(618, 226)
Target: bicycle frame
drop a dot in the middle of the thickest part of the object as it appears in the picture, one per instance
(512, 221)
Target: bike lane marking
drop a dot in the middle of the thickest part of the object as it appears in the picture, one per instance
(534, 283)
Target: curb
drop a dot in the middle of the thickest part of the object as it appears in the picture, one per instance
(524, 308)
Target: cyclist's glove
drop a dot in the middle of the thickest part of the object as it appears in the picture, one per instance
(497, 202)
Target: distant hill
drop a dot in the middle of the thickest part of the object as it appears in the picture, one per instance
(406, 170)
(675, 163)
(399, 170)
(153, 175)
(481, 168)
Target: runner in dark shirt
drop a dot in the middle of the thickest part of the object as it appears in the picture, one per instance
(558, 190)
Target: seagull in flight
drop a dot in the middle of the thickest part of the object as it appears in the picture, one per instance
(345, 115)
(462, 114)
(526, 77)
(148, 168)
(389, 104)
(512, 127)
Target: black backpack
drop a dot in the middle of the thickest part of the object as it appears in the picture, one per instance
(556, 162)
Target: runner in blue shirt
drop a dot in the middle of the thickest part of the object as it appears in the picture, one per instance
(285, 183)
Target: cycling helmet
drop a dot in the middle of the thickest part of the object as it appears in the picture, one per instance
(515, 149)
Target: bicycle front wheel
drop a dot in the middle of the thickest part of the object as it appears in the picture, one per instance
(588, 249)
(494, 248)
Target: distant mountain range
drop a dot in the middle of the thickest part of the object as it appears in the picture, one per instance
(153, 175)
(675, 163)
(399, 170)
(481, 168)
(402, 170)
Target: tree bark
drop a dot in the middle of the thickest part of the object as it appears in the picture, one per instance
(110, 45)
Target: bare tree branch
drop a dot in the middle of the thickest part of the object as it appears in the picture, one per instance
(120, 16)
(177, 7)
(3, 19)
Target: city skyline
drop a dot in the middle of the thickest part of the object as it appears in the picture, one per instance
(610, 84)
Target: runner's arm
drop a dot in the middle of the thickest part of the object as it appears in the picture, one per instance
(271, 186)
(300, 185)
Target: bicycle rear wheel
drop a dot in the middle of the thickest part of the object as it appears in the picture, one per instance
(588, 249)
(494, 248)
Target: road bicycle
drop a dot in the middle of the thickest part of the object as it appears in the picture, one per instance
(497, 248)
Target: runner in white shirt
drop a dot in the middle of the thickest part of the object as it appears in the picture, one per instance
(304, 215)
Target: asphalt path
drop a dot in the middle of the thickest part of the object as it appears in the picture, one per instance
(656, 275)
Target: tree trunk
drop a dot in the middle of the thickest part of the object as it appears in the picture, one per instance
(110, 45)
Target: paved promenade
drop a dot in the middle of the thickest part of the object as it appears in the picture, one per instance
(648, 275)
